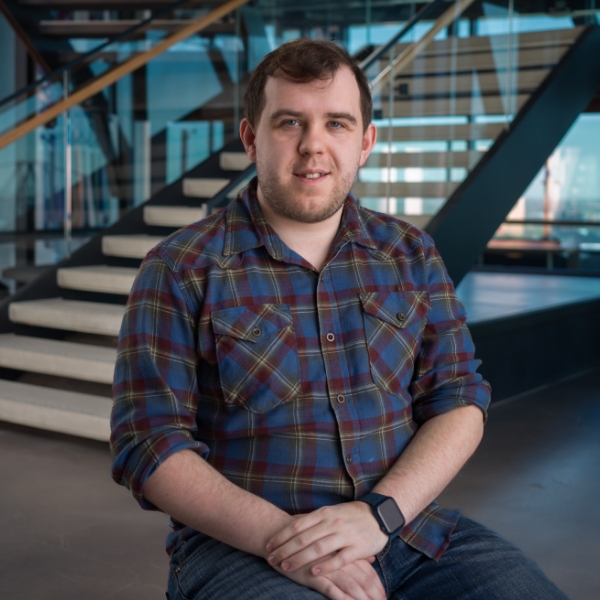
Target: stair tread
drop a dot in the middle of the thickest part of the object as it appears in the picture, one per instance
(71, 315)
(432, 160)
(69, 412)
(174, 216)
(234, 161)
(129, 246)
(97, 278)
(56, 357)
(202, 187)
(404, 189)
(470, 131)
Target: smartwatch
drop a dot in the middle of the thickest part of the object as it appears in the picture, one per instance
(386, 511)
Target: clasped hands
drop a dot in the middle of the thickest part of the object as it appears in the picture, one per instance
(330, 544)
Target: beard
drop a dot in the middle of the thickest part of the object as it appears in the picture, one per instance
(282, 202)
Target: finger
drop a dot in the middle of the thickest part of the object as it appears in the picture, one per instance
(342, 558)
(299, 525)
(369, 579)
(321, 549)
(308, 545)
(331, 590)
(346, 581)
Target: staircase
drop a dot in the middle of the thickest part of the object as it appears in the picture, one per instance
(453, 95)
(75, 313)
(439, 120)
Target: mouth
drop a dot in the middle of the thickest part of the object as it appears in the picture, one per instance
(311, 175)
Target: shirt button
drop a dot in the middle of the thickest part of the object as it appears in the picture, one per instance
(349, 459)
(256, 332)
(341, 399)
(330, 337)
(401, 316)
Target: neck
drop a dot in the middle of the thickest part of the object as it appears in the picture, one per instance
(312, 241)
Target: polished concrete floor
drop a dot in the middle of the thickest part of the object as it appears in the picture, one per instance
(69, 533)
(491, 295)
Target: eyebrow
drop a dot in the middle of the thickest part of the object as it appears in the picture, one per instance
(293, 113)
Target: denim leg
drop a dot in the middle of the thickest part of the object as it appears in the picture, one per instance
(478, 565)
(206, 569)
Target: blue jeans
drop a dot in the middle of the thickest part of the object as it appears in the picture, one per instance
(479, 565)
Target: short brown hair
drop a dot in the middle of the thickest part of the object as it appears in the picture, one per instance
(303, 60)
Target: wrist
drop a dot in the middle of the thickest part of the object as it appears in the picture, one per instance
(275, 525)
(386, 512)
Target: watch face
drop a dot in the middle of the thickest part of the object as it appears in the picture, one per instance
(390, 515)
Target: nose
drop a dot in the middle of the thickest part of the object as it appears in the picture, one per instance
(312, 141)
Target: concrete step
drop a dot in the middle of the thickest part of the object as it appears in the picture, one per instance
(174, 216)
(54, 357)
(203, 187)
(434, 107)
(405, 189)
(129, 246)
(97, 278)
(74, 413)
(234, 161)
(424, 160)
(72, 315)
(422, 133)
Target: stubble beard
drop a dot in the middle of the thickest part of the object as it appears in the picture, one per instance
(280, 199)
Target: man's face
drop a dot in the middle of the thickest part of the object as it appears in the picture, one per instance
(308, 145)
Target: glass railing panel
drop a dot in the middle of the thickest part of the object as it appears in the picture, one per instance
(560, 207)
(157, 123)
(441, 110)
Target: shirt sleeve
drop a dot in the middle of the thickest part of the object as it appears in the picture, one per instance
(445, 375)
(155, 388)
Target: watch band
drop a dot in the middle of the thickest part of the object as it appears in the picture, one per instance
(386, 511)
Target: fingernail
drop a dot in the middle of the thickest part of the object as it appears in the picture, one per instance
(269, 547)
(285, 565)
(271, 558)
(316, 571)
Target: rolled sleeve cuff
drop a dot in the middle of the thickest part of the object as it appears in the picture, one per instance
(447, 399)
(133, 468)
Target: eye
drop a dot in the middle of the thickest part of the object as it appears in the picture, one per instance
(290, 122)
(335, 124)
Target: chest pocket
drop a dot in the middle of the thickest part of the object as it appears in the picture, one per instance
(257, 355)
(394, 324)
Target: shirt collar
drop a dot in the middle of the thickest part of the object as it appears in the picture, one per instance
(246, 227)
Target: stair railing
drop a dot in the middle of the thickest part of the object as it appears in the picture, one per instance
(80, 60)
(106, 79)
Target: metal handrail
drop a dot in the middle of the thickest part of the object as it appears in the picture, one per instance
(102, 81)
(381, 50)
(410, 53)
(88, 56)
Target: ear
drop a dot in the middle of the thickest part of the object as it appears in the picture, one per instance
(248, 139)
(368, 141)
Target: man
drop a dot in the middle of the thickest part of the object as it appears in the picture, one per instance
(295, 379)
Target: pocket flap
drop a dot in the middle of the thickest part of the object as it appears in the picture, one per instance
(251, 323)
(397, 308)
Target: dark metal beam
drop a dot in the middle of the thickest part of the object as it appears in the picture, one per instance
(480, 204)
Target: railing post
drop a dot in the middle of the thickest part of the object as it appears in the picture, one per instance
(68, 199)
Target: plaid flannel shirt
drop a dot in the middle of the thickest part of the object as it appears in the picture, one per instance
(300, 387)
